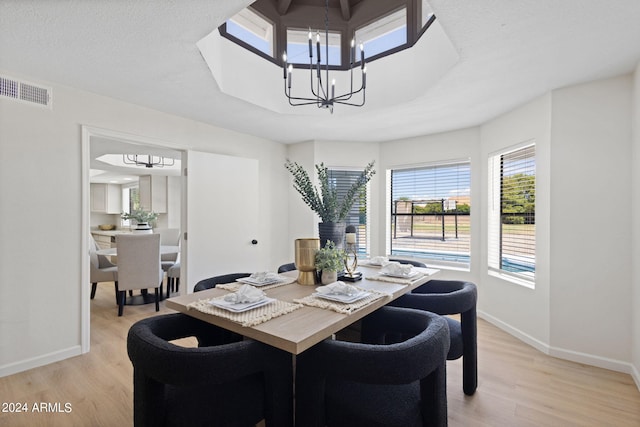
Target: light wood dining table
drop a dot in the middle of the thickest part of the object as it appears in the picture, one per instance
(300, 329)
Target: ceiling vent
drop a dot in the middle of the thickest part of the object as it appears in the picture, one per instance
(25, 92)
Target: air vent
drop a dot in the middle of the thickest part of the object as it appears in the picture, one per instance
(25, 92)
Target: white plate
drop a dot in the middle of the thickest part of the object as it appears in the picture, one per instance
(402, 276)
(343, 298)
(254, 282)
(239, 308)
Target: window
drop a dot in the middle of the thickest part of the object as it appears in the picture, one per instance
(343, 180)
(252, 29)
(384, 34)
(431, 213)
(512, 219)
(130, 201)
(298, 47)
(426, 13)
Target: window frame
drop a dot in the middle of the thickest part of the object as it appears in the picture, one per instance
(495, 226)
(442, 262)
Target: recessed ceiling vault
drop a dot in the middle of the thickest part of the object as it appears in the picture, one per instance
(145, 53)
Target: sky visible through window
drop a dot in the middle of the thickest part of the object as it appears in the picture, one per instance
(248, 37)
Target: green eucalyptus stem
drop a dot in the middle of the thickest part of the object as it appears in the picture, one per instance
(325, 201)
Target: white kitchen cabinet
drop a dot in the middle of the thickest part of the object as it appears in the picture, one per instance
(153, 193)
(106, 198)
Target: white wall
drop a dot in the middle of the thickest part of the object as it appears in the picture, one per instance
(522, 311)
(40, 151)
(591, 197)
(635, 225)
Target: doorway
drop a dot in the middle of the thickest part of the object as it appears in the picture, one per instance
(103, 152)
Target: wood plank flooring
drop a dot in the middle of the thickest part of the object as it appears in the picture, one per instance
(518, 386)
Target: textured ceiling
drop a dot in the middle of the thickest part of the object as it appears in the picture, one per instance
(144, 52)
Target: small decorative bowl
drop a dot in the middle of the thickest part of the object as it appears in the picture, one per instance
(107, 227)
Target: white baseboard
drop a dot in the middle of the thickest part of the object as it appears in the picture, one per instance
(635, 375)
(574, 356)
(24, 365)
(533, 342)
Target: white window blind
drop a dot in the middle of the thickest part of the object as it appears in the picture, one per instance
(357, 216)
(511, 216)
(431, 213)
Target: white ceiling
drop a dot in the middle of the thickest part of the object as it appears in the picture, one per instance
(144, 52)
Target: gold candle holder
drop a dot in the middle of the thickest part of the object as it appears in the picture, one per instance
(305, 257)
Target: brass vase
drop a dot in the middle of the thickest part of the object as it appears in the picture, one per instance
(305, 257)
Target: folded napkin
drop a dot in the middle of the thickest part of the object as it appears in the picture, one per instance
(379, 260)
(397, 269)
(264, 276)
(245, 294)
(337, 288)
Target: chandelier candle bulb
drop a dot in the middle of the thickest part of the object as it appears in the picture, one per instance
(290, 70)
(353, 50)
(333, 88)
(318, 45)
(284, 64)
(362, 56)
(310, 49)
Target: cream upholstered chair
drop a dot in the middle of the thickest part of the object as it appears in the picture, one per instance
(101, 269)
(173, 277)
(168, 237)
(139, 265)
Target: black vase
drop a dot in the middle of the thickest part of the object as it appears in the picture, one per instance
(333, 231)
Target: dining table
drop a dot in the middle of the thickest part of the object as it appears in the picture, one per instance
(296, 318)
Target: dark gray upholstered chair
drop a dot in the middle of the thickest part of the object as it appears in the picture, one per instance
(218, 383)
(211, 282)
(402, 384)
(408, 261)
(452, 297)
(287, 267)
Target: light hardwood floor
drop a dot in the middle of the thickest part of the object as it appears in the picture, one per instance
(518, 386)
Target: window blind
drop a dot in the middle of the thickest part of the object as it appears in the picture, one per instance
(357, 216)
(430, 212)
(511, 228)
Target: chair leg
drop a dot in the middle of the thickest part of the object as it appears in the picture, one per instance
(117, 292)
(158, 292)
(94, 286)
(177, 282)
(169, 286)
(121, 297)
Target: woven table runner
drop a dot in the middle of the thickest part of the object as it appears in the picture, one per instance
(247, 318)
(234, 286)
(341, 307)
(398, 280)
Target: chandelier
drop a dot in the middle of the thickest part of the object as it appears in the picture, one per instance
(323, 95)
(150, 162)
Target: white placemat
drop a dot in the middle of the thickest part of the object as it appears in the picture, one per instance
(341, 307)
(246, 318)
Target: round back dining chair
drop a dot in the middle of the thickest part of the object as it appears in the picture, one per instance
(220, 382)
(211, 282)
(447, 297)
(375, 383)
